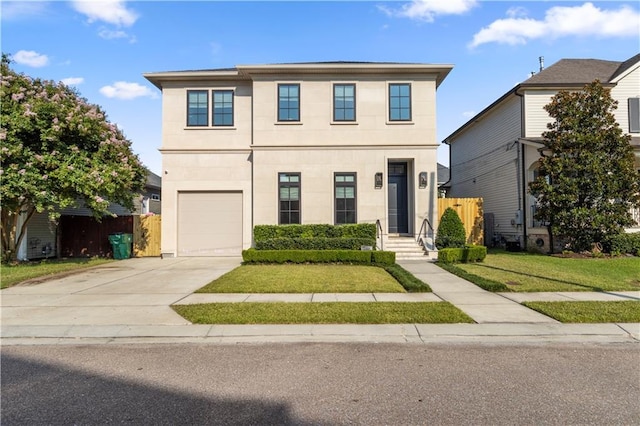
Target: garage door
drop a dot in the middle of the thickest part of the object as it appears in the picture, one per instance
(209, 223)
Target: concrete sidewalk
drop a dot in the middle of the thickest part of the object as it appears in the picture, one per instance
(129, 302)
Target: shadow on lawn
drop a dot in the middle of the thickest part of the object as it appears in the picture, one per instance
(592, 288)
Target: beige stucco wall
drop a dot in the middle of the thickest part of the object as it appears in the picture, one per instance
(229, 171)
(316, 126)
(317, 168)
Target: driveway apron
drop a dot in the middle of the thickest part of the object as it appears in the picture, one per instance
(135, 291)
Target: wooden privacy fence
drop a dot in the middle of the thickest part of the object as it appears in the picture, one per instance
(146, 236)
(470, 211)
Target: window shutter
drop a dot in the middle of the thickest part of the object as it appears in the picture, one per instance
(634, 115)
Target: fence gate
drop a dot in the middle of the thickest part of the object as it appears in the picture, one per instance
(146, 236)
(470, 211)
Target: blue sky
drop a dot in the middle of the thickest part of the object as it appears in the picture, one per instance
(103, 48)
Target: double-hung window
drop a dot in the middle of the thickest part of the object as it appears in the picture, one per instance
(288, 102)
(197, 108)
(399, 102)
(345, 198)
(288, 198)
(223, 107)
(344, 102)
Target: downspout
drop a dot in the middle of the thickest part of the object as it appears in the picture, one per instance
(522, 177)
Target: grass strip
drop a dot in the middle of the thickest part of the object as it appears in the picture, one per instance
(528, 272)
(589, 312)
(12, 274)
(484, 283)
(324, 313)
(310, 278)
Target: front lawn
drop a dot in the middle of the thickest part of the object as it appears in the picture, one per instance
(525, 272)
(11, 274)
(324, 313)
(589, 312)
(315, 278)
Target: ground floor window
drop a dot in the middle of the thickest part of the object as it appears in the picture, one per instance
(345, 194)
(289, 198)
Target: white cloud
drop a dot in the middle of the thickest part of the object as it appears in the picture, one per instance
(13, 10)
(73, 81)
(561, 21)
(30, 58)
(468, 114)
(110, 11)
(125, 90)
(111, 34)
(427, 10)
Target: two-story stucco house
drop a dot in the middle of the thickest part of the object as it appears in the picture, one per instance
(307, 143)
(495, 154)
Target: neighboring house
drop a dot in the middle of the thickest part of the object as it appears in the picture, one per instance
(42, 239)
(443, 180)
(308, 143)
(495, 154)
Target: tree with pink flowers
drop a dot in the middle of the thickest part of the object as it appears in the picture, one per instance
(57, 150)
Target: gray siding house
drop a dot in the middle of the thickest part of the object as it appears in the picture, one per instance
(495, 154)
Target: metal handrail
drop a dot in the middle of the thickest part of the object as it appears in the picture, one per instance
(425, 221)
(379, 234)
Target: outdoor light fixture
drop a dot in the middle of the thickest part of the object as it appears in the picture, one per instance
(422, 180)
(378, 181)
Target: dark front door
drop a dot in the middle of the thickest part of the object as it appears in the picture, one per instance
(398, 200)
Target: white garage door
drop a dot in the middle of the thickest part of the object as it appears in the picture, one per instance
(209, 223)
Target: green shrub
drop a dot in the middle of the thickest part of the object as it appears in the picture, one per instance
(308, 256)
(451, 231)
(464, 255)
(383, 257)
(481, 282)
(623, 244)
(321, 243)
(406, 279)
(350, 231)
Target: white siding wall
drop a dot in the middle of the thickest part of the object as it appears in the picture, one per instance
(41, 237)
(627, 87)
(487, 153)
(536, 118)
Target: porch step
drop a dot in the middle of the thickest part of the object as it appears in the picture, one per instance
(406, 248)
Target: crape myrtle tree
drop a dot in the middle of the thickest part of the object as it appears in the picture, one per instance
(587, 183)
(56, 150)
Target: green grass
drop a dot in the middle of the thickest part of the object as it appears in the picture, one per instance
(324, 313)
(589, 312)
(13, 274)
(525, 272)
(304, 279)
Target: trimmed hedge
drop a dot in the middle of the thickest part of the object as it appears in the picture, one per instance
(360, 230)
(318, 256)
(316, 243)
(623, 244)
(407, 279)
(451, 231)
(464, 255)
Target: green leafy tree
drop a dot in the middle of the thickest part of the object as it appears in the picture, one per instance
(57, 150)
(587, 182)
(451, 231)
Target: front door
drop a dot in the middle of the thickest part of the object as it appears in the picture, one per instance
(398, 199)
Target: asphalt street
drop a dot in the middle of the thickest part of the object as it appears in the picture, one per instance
(321, 384)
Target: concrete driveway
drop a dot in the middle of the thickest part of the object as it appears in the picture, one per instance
(135, 291)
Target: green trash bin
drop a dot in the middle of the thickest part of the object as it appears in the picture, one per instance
(121, 244)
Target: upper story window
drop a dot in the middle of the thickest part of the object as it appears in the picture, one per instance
(223, 107)
(288, 102)
(197, 107)
(634, 115)
(344, 102)
(399, 102)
